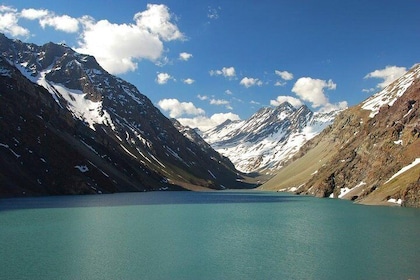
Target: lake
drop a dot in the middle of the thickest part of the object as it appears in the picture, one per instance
(199, 235)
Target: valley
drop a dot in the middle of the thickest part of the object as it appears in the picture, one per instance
(70, 127)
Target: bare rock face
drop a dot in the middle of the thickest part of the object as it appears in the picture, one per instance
(370, 146)
(69, 127)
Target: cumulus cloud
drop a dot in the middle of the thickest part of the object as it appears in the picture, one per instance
(388, 75)
(9, 22)
(249, 82)
(118, 47)
(295, 102)
(228, 92)
(185, 56)
(163, 78)
(221, 102)
(63, 23)
(312, 90)
(33, 14)
(46, 18)
(157, 20)
(177, 109)
(188, 81)
(285, 75)
(228, 72)
(205, 123)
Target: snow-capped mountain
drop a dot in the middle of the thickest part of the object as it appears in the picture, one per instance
(268, 138)
(104, 120)
(371, 153)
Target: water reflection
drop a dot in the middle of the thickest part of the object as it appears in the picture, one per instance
(145, 198)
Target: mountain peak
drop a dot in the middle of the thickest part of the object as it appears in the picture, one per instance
(91, 119)
(392, 92)
(268, 138)
(369, 154)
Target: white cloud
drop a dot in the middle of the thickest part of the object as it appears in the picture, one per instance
(188, 81)
(205, 123)
(332, 107)
(228, 72)
(185, 56)
(228, 92)
(219, 102)
(388, 75)
(249, 82)
(63, 23)
(202, 97)
(47, 18)
(368, 90)
(312, 90)
(285, 75)
(295, 102)
(157, 20)
(7, 9)
(118, 47)
(177, 109)
(280, 84)
(163, 78)
(9, 19)
(33, 14)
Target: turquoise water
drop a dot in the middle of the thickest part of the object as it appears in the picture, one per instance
(218, 235)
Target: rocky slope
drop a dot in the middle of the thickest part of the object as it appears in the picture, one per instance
(268, 138)
(370, 154)
(68, 126)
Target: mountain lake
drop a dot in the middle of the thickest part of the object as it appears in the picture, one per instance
(206, 235)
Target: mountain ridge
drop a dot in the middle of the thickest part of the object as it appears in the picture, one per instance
(107, 115)
(358, 156)
(265, 141)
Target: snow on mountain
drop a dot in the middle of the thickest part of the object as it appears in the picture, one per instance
(370, 154)
(268, 138)
(119, 119)
(390, 94)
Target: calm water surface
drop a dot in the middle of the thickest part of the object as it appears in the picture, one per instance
(218, 235)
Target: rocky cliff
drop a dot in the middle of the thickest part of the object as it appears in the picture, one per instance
(68, 126)
(370, 154)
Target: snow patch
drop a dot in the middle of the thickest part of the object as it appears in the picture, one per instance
(82, 168)
(399, 142)
(404, 169)
(7, 147)
(212, 175)
(127, 151)
(84, 109)
(391, 93)
(396, 201)
(343, 192)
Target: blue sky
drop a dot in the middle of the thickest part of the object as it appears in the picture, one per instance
(205, 61)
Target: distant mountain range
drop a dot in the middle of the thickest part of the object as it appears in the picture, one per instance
(269, 138)
(371, 153)
(68, 126)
